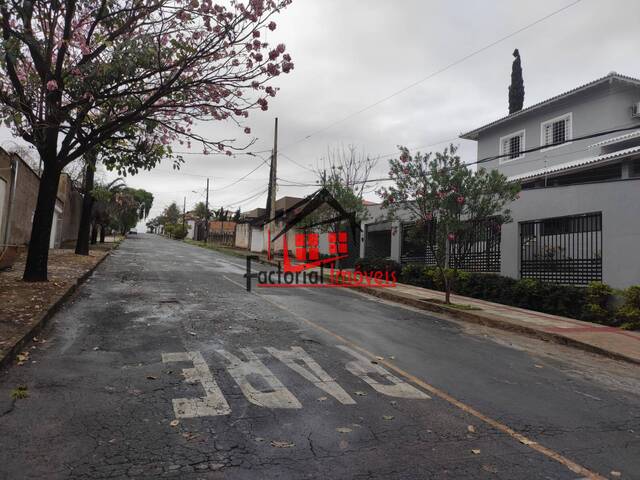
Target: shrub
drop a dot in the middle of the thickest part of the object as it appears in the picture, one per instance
(575, 302)
(628, 315)
(179, 232)
(370, 264)
(598, 296)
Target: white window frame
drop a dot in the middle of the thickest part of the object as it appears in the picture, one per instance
(568, 134)
(519, 133)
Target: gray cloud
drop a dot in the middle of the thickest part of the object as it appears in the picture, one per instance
(349, 54)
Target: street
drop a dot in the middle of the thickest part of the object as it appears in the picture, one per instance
(164, 365)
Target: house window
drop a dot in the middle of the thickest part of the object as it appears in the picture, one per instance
(511, 146)
(557, 130)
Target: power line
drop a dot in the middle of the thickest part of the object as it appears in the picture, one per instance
(241, 178)
(437, 72)
(296, 163)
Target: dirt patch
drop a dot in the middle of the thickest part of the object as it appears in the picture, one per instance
(24, 303)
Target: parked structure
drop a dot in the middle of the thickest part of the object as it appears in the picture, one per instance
(19, 185)
(577, 156)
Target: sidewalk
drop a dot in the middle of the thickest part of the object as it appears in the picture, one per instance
(609, 341)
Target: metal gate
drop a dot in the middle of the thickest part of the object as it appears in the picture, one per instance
(564, 250)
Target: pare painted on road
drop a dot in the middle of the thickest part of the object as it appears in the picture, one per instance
(214, 403)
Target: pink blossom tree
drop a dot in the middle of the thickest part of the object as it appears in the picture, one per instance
(79, 73)
(451, 204)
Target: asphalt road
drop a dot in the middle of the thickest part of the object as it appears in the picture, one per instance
(164, 366)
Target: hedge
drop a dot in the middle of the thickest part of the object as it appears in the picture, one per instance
(593, 303)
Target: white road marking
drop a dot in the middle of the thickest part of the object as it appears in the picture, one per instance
(312, 372)
(240, 370)
(362, 367)
(213, 403)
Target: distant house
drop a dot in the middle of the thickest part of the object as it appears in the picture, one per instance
(577, 156)
(253, 229)
(19, 185)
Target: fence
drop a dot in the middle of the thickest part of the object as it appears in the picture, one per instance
(413, 249)
(227, 239)
(479, 250)
(564, 250)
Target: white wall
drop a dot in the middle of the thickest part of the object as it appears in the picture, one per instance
(618, 201)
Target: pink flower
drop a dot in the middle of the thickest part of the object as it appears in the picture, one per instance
(52, 85)
(460, 200)
(429, 216)
(451, 237)
(272, 26)
(287, 67)
(247, 130)
(280, 48)
(256, 33)
(270, 91)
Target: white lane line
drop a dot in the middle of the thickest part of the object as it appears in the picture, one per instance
(241, 371)
(312, 372)
(213, 403)
(362, 367)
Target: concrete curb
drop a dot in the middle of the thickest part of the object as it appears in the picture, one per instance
(471, 317)
(45, 316)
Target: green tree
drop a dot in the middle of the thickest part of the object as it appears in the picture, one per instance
(200, 211)
(102, 206)
(448, 201)
(516, 89)
(236, 215)
(171, 214)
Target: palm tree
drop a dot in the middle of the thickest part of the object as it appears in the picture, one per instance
(101, 213)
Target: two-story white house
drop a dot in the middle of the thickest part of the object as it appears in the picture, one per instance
(577, 156)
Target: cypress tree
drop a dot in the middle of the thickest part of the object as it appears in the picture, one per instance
(516, 89)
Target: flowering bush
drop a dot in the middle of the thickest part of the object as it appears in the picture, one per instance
(448, 201)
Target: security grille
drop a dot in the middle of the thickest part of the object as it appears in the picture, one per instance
(563, 250)
(479, 250)
(413, 249)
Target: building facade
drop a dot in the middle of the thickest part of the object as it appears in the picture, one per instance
(577, 157)
(19, 185)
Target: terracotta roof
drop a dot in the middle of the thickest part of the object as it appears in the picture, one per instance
(575, 164)
(473, 134)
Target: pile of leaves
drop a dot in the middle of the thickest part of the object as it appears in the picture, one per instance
(23, 303)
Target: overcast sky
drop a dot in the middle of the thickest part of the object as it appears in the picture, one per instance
(349, 54)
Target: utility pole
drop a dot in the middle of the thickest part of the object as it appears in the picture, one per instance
(206, 215)
(184, 212)
(272, 185)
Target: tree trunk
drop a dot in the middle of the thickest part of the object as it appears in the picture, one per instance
(447, 285)
(102, 233)
(38, 254)
(82, 245)
(94, 233)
